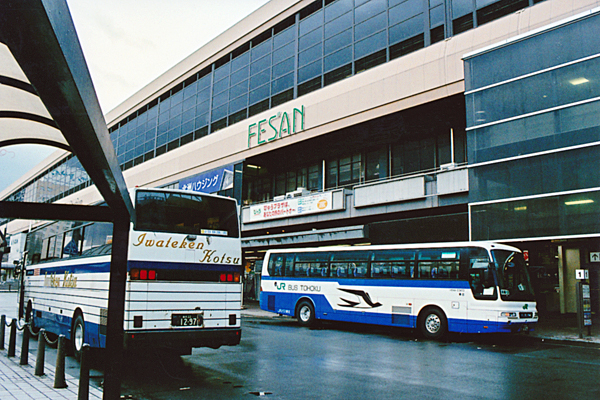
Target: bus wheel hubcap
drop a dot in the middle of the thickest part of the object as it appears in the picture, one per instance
(432, 323)
(305, 313)
(79, 336)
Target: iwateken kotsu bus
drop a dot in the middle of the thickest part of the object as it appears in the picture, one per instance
(437, 288)
(183, 286)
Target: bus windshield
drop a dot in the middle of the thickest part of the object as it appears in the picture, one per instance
(512, 276)
(186, 213)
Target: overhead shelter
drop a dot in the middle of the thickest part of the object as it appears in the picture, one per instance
(47, 97)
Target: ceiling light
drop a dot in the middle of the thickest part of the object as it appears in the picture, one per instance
(578, 202)
(521, 208)
(578, 81)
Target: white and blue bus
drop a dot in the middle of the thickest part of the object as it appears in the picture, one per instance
(437, 288)
(183, 286)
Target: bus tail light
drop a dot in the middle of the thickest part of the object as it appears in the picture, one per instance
(235, 277)
(142, 274)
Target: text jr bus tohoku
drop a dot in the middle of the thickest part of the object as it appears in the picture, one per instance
(457, 287)
(183, 287)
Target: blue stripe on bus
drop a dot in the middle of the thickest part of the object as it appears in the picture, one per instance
(105, 267)
(285, 304)
(184, 266)
(430, 283)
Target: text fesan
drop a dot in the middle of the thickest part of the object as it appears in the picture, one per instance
(279, 120)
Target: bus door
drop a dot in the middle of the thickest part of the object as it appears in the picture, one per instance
(440, 267)
(483, 289)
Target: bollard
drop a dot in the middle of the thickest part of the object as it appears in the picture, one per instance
(41, 354)
(25, 346)
(59, 374)
(12, 340)
(84, 373)
(2, 331)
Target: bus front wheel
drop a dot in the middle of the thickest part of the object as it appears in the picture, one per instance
(77, 336)
(433, 323)
(305, 313)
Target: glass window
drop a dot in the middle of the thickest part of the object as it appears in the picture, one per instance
(284, 52)
(311, 39)
(399, 263)
(240, 61)
(369, 9)
(532, 54)
(260, 65)
(204, 82)
(220, 99)
(439, 263)
(561, 128)
(284, 37)
(370, 26)
(311, 23)
(282, 83)
(406, 10)
(337, 8)
(338, 25)
(220, 86)
(238, 103)
(436, 16)
(238, 90)
(283, 67)
(202, 108)
(185, 213)
(203, 96)
(261, 49)
(338, 41)
(370, 44)
(72, 243)
(310, 71)
(259, 94)
(201, 120)
(338, 58)
(406, 29)
(240, 75)
(222, 72)
(310, 55)
(260, 79)
(219, 112)
(189, 103)
(96, 235)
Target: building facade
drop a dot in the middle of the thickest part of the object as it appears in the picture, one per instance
(380, 121)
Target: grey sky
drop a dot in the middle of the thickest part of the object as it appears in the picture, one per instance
(127, 44)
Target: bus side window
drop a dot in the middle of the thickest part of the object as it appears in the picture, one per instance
(339, 270)
(289, 265)
(275, 265)
(381, 270)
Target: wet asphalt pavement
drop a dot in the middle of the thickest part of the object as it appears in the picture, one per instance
(277, 359)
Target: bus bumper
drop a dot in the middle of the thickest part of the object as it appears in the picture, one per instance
(182, 340)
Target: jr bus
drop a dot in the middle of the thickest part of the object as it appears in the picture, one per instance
(438, 288)
(183, 286)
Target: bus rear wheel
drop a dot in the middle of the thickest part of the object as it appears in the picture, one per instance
(433, 323)
(77, 336)
(305, 313)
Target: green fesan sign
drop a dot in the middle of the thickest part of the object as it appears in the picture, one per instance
(277, 125)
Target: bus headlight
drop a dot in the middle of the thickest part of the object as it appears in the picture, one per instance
(509, 315)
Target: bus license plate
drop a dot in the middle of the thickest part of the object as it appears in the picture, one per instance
(187, 320)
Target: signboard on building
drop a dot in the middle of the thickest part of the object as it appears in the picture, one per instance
(276, 126)
(292, 207)
(594, 256)
(209, 182)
